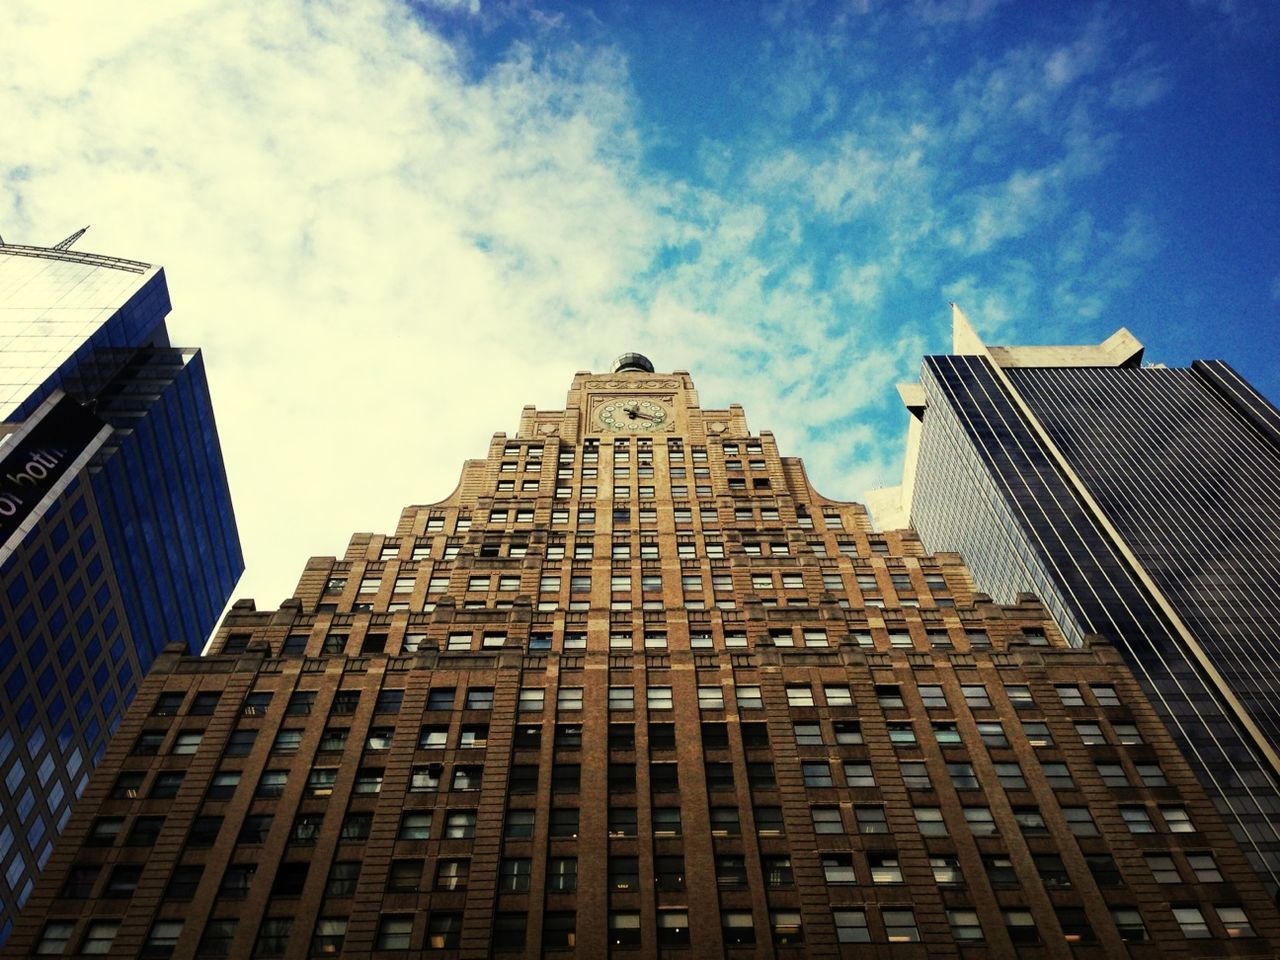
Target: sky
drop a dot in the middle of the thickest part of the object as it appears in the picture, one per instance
(390, 224)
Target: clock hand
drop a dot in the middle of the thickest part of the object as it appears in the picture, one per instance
(647, 416)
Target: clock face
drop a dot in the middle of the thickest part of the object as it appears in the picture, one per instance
(633, 415)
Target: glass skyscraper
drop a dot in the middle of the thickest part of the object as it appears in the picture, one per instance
(117, 536)
(1141, 503)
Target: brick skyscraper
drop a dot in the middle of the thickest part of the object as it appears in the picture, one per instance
(636, 689)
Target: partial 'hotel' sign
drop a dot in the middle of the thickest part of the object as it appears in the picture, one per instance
(42, 454)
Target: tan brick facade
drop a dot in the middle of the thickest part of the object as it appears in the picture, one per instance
(643, 695)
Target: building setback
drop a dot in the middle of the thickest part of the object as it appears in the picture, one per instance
(116, 530)
(1141, 504)
(635, 688)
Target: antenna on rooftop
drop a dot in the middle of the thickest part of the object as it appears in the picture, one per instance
(66, 244)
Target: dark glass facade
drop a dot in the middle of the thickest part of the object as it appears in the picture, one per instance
(134, 549)
(1141, 504)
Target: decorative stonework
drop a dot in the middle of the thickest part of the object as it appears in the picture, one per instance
(632, 385)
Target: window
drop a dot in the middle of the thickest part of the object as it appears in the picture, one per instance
(1058, 776)
(666, 822)
(1105, 694)
(1052, 871)
(748, 698)
(458, 824)
(99, 936)
(287, 740)
(673, 928)
(1090, 734)
(1010, 776)
(1000, 872)
(1038, 734)
(236, 881)
(992, 733)
(1129, 923)
(929, 821)
(519, 824)
(394, 933)
(1127, 734)
(480, 698)
(798, 696)
(562, 874)
(933, 697)
(981, 822)
(900, 924)
(624, 928)
(888, 695)
(838, 696)
(205, 703)
(946, 869)
(433, 738)
(255, 828)
(1030, 821)
(1113, 775)
(827, 820)
(768, 821)
(915, 775)
(105, 831)
(186, 743)
(816, 774)
(737, 928)
(168, 704)
(1020, 696)
(1020, 926)
(787, 931)
(724, 822)
(975, 695)
(333, 739)
(321, 780)
(330, 933)
(1075, 925)
(451, 874)
(1080, 821)
(901, 733)
(1204, 867)
(710, 698)
(1177, 819)
(858, 774)
(54, 938)
(415, 825)
(659, 698)
(1235, 921)
(342, 878)
(962, 776)
(272, 783)
(1192, 922)
(256, 704)
(965, 927)
(1137, 819)
(884, 867)
(622, 698)
(204, 831)
(569, 699)
(870, 819)
(514, 874)
(1105, 872)
(1070, 695)
(559, 929)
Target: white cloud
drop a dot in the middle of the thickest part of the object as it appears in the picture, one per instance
(387, 248)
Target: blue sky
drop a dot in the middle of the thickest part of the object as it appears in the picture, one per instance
(391, 222)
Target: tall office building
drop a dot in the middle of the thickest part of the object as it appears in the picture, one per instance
(116, 530)
(1142, 503)
(635, 689)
